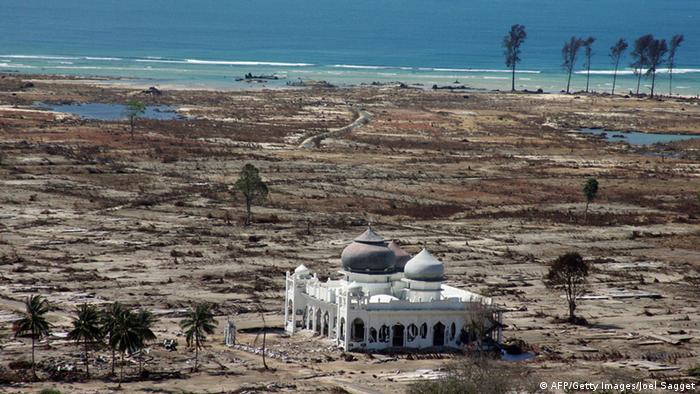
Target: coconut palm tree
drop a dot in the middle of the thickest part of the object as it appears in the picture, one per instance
(109, 319)
(126, 337)
(616, 52)
(197, 324)
(588, 51)
(569, 52)
(655, 57)
(144, 321)
(33, 322)
(672, 49)
(86, 329)
(641, 56)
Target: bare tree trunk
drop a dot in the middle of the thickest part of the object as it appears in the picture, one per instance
(512, 85)
(33, 364)
(572, 309)
(639, 79)
(670, 81)
(568, 82)
(588, 74)
(121, 371)
(87, 360)
(196, 356)
(617, 63)
(249, 214)
(653, 80)
(114, 358)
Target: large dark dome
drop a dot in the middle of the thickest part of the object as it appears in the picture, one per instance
(368, 254)
(401, 256)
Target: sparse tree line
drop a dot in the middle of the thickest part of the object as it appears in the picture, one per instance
(124, 331)
(647, 56)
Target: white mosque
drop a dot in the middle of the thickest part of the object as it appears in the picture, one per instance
(385, 298)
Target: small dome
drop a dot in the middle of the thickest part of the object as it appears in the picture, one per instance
(401, 256)
(424, 267)
(301, 270)
(382, 298)
(368, 254)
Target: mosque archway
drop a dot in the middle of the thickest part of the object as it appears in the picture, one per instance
(358, 330)
(438, 334)
(317, 326)
(326, 324)
(397, 337)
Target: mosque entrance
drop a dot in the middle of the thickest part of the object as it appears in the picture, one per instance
(397, 339)
(438, 334)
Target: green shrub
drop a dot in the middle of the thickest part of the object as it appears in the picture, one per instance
(694, 371)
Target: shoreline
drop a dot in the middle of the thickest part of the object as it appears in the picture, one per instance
(143, 84)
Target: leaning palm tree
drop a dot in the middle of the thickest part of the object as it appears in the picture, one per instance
(197, 324)
(33, 322)
(672, 49)
(616, 52)
(144, 322)
(86, 329)
(126, 337)
(109, 321)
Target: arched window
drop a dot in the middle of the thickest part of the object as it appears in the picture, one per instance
(317, 326)
(398, 333)
(423, 330)
(372, 335)
(384, 334)
(326, 324)
(453, 330)
(358, 330)
(411, 332)
(439, 334)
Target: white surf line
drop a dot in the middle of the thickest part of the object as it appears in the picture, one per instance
(315, 140)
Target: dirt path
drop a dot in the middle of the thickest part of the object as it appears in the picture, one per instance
(315, 140)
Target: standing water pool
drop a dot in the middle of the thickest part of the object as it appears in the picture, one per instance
(110, 112)
(637, 138)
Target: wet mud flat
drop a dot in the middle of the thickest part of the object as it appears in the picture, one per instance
(491, 182)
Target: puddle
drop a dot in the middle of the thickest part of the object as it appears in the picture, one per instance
(637, 138)
(516, 357)
(110, 112)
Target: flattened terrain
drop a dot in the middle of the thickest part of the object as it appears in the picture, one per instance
(490, 182)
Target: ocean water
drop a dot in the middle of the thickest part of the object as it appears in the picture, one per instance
(211, 43)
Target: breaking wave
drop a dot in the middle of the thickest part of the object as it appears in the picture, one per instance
(631, 72)
(246, 63)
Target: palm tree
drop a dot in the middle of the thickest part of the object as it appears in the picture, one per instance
(588, 47)
(109, 321)
(640, 56)
(616, 52)
(673, 47)
(86, 328)
(569, 52)
(126, 337)
(655, 56)
(144, 321)
(197, 324)
(33, 323)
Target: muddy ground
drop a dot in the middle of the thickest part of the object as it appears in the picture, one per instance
(489, 182)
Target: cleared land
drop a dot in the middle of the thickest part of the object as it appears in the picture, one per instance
(490, 182)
